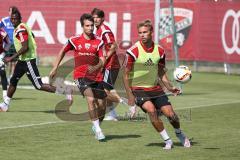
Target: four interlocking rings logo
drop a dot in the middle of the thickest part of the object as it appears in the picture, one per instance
(235, 32)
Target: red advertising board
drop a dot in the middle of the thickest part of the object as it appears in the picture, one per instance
(206, 30)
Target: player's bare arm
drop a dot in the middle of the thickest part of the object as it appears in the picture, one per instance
(23, 50)
(127, 81)
(166, 82)
(100, 64)
(112, 49)
(61, 55)
(7, 43)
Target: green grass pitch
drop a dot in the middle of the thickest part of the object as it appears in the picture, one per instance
(209, 109)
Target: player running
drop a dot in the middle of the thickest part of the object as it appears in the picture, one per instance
(89, 60)
(145, 66)
(112, 66)
(26, 51)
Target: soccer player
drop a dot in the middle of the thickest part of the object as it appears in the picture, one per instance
(6, 24)
(111, 67)
(26, 52)
(89, 60)
(145, 66)
(4, 47)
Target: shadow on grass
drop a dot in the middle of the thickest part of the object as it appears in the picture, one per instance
(161, 144)
(212, 148)
(24, 98)
(110, 137)
(46, 111)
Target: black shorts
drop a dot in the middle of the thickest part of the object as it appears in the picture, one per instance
(11, 52)
(31, 69)
(159, 99)
(97, 87)
(110, 77)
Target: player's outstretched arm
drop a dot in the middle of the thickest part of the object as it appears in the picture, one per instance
(166, 82)
(57, 62)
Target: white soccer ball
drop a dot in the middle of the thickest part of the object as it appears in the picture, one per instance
(182, 74)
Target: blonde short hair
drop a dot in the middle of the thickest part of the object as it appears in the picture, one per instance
(145, 23)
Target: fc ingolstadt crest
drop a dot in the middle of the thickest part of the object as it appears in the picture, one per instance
(183, 21)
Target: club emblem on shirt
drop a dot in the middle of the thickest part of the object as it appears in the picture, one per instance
(87, 45)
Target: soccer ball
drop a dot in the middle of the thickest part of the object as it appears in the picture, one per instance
(182, 74)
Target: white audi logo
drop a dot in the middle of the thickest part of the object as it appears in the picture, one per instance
(235, 32)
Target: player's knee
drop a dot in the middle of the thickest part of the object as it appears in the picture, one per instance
(91, 100)
(150, 110)
(173, 117)
(153, 115)
(14, 81)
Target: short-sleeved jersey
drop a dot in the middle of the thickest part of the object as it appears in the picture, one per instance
(86, 52)
(6, 24)
(3, 35)
(132, 56)
(105, 34)
(23, 33)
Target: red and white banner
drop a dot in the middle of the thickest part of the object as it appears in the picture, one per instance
(206, 30)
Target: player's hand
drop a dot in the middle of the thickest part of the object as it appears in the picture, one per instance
(131, 100)
(176, 91)
(53, 73)
(91, 69)
(132, 111)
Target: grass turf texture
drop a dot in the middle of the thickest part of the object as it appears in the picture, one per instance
(213, 122)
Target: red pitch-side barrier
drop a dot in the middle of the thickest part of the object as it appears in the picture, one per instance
(206, 30)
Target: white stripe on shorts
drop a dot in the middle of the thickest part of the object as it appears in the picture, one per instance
(77, 83)
(33, 75)
(106, 75)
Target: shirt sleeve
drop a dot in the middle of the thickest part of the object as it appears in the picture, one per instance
(129, 60)
(108, 38)
(22, 36)
(21, 33)
(68, 46)
(161, 63)
(100, 51)
(162, 55)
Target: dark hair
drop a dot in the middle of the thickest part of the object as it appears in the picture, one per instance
(86, 16)
(98, 12)
(14, 8)
(16, 11)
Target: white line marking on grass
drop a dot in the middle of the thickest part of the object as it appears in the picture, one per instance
(31, 125)
(55, 122)
(25, 87)
(208, 105)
